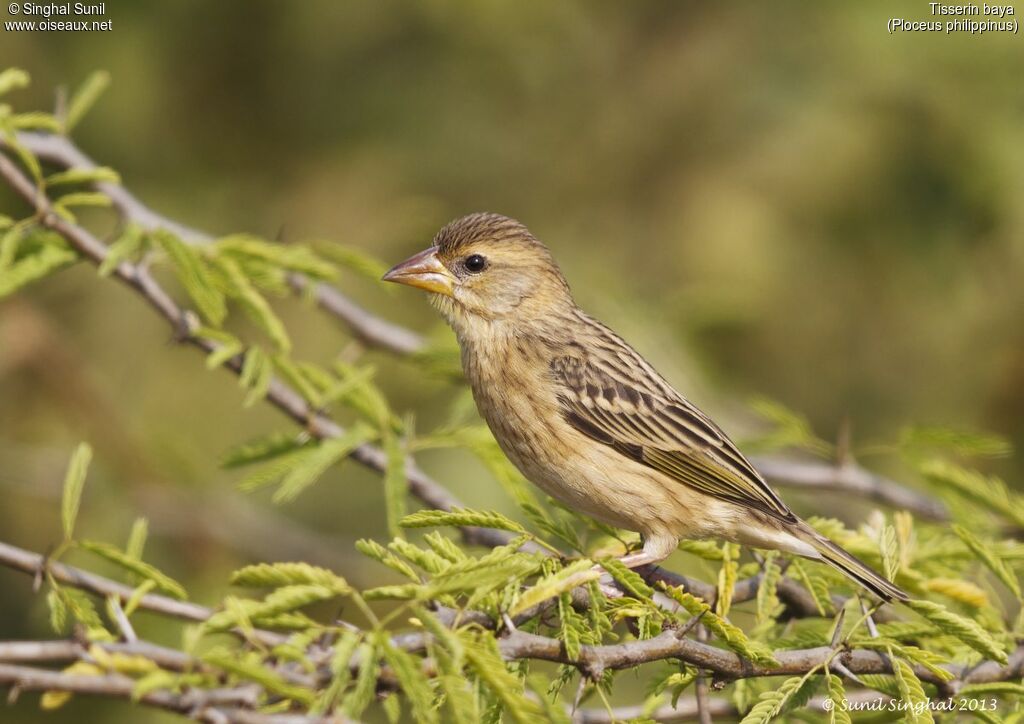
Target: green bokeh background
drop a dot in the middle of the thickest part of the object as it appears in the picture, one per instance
(765, 198)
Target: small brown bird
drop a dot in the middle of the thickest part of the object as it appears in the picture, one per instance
(585, 417)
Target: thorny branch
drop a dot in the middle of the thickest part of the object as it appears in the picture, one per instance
(592, 661)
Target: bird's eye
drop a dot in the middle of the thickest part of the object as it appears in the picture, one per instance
(475, 263)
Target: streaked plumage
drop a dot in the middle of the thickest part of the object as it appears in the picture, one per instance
(585, 417)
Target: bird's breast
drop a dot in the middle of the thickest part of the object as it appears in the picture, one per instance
(516, 397)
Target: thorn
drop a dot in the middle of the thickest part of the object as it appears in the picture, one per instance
(44, 566)
(507, 620)
(579, 694)
(837, 633)
(184, 327)
(13, 694)
(841, 668)
(872, 628)
(690, 624)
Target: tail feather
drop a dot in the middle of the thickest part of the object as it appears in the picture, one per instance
(856, 569)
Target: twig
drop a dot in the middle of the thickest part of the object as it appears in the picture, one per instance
(231, 705)
(32, 563)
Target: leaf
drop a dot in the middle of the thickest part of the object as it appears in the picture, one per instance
(194, 276)
(496, 569)
(791, 429)
(771, 702)
(994, 688)
(888, 548)
(918, 440)
(256, 376)
(36, 266)
(729, 634)
(354, 259)
(144, 570)
(989, 492)
(137, 538)
(366, 682)
(706, 549)
(726, 578)
(837, 695)
(341, 672)
(248, 668)
(928, 659)
(990, 558)
(74, 483)
(296, 376)
(34, 120)
(154, 682)
(98, 174)
(13, 79)
(10, 242)
(83, 99)
(959, 590)
(263, 449)
(24, 155)
(485, 661)
(83, 198)
(288, 574)
(629, 579)
(294, 257)
(52, 700)
(911, 692)
(460, 517)
(279, 608)
(408, 670)
(964, 629)
(375, 550)
(58, 611)
(768, 604)
(555, 584)
(276, 467)
(238, 287)
(428, 560)
(315, 464)
(80, 606)
(129, 243)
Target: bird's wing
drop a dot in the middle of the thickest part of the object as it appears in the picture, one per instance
(615, 397)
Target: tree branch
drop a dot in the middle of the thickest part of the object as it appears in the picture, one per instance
(215, 706)
(728, 666)
(848, 478)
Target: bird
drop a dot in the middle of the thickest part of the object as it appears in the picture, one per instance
(586, 418)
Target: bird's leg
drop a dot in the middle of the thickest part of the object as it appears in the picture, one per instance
(656, 549)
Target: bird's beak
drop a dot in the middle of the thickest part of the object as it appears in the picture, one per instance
(423, 271)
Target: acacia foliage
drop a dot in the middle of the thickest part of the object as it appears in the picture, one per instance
(464, 601)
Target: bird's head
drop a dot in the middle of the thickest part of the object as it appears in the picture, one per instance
(486, 266)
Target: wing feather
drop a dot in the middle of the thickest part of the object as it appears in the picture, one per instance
(633, 410)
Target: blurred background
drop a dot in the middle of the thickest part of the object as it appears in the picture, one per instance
(766, 199)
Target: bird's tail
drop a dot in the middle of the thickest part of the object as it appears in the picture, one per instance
(853, 567)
